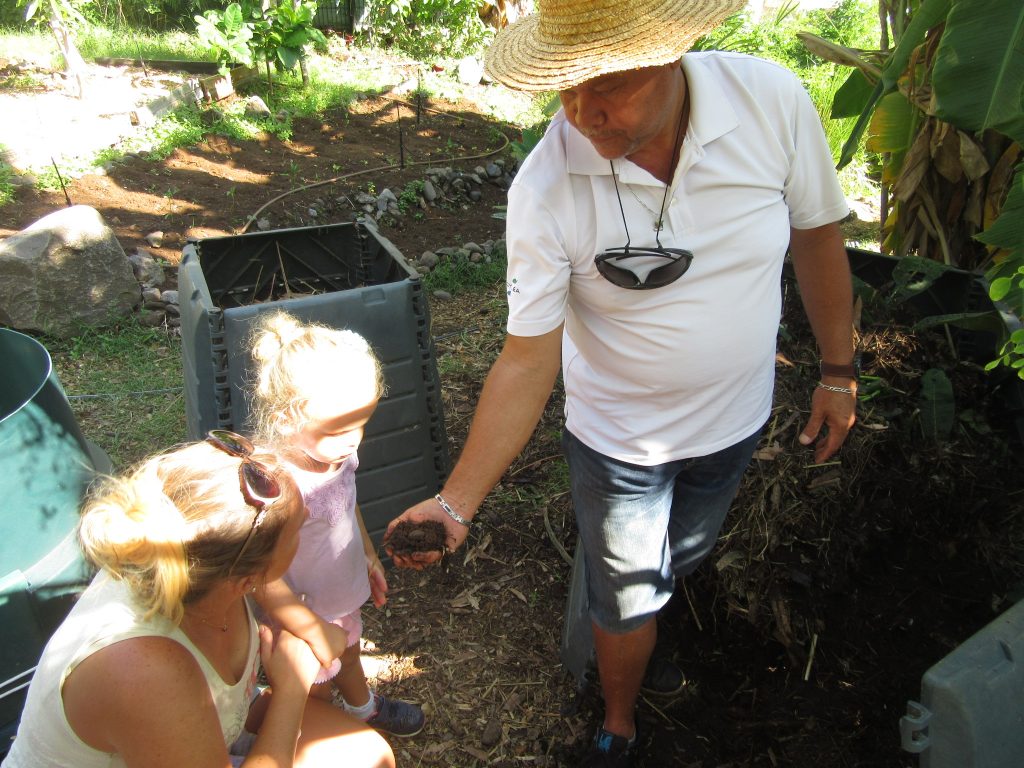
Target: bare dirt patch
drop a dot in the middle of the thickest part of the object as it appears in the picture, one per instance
(47, 122)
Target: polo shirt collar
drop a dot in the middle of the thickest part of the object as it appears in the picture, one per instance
(711, 116)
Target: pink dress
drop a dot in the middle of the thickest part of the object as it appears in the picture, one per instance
(330, 565)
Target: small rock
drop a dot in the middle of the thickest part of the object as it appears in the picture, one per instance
(146, 269)
(429, 259)
(439, 294)
(209, 117)
(155, 239)
(151, 318)
(256, 107)
(492, 733)
(263, 224)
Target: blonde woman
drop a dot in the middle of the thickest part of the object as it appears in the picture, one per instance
(157, 663)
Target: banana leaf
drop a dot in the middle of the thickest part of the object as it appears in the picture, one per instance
(938, 407)
(979, 67)
(930, 14)
(851, 97)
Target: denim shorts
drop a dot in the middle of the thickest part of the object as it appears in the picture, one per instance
(643, 527)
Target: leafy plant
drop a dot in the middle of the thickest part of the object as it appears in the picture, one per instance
(410, 195)
(944, 108)
(282, 32)
(228, 34)
(428, 29)
(937, 405)
(246, 33)
(6, 185)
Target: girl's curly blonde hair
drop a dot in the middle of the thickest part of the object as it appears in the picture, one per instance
(290, 357)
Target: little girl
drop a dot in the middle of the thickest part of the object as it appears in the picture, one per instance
(316, 388)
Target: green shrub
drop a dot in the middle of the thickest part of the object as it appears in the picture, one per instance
(6, 187)
(852, 23)
(428, 29)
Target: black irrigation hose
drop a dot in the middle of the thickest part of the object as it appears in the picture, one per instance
(392, 167)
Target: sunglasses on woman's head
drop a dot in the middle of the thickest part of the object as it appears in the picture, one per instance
(255, 480)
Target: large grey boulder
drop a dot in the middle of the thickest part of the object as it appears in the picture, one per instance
(65, 271)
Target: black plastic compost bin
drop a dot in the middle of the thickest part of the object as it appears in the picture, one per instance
(349, 276)
(46, 466)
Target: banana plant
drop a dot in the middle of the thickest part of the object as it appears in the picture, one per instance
(945, 109)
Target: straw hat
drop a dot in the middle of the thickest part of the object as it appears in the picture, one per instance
(567, 42)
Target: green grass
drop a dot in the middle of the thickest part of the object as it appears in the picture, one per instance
(123, 43)
(124, 384)
(34, 46)
(456, 274)
(6, 187)
(99, 42)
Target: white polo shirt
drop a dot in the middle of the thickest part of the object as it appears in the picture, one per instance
(687, 369)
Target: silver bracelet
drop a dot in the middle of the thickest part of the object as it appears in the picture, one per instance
(451, 512)
(840, 390)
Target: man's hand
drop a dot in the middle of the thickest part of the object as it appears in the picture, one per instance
(835, 410)
(456, 533)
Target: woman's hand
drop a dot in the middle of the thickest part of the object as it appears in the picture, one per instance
(289, 662)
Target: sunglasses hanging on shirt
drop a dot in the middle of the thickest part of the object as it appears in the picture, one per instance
(610, 263)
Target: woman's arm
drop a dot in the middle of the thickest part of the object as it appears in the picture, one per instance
(328, 641)
(146, 700)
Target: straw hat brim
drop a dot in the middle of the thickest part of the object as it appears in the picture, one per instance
(582, 39)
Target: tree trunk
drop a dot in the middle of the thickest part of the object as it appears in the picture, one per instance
(73, 61)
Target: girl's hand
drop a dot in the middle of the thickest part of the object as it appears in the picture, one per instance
(336, 640)
(378, 581)
(327, 641)
(289, 662)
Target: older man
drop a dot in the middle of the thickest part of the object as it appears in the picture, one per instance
(646, 237)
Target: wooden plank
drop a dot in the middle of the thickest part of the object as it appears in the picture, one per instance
(164, 65)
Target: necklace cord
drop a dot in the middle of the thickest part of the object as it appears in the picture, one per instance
(672, 169)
